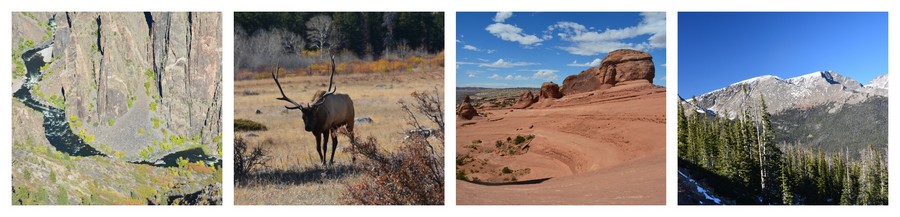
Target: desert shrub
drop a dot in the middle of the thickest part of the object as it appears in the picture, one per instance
(519, 140)
(413, 174)
(248, 125)
(506, 170)
(461, 175)
(246, 160)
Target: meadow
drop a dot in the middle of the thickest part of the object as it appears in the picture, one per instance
(292, 173)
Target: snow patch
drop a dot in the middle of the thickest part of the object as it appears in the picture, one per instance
(879, 82)
(756, 79)
(701, 189)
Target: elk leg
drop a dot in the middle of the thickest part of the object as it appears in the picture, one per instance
(333, 146)
(325, 147)
(319, 146)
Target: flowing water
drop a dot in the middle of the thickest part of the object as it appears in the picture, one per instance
(56, 126)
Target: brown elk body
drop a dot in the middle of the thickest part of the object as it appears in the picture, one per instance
(328, 112)
(336, 110)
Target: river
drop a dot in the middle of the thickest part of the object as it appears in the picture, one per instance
(56, 126)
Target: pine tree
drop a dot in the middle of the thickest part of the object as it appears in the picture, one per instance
(682, 131)
(850, 189)
(787, 190)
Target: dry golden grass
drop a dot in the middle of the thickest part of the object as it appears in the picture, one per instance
(292, 175)
(322, 66)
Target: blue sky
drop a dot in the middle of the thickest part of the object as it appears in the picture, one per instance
(718, 49)
(526, 49)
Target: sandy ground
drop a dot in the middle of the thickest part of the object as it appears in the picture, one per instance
(602, 147)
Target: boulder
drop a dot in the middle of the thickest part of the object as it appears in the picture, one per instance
(550, 90)
(525, 100)
(618, 66)
(467, 111)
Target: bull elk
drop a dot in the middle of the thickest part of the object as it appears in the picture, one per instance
(328, 112)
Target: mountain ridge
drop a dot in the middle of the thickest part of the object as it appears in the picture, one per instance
(805, 91)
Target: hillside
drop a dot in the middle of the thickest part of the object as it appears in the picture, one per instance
(479, 94)
(128, 106)
(852, 127)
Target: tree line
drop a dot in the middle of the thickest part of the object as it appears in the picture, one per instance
(367, 35)
(741, 160)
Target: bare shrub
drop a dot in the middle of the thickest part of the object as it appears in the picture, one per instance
(246, 161)
(411, 175)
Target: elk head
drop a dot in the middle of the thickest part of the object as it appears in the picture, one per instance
(309, 118)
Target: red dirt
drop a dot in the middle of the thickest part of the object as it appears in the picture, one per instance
(600, 147)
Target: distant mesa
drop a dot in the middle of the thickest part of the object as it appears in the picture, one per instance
(617, 67)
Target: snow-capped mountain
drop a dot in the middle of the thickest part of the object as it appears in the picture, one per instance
(817, 88)
(879, 82)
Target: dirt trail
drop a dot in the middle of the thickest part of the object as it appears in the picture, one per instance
(602, 147)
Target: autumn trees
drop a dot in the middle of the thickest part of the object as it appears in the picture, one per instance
(365, 35)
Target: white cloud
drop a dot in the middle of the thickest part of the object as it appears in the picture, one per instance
(587, 42)
(470, 47)
(491, 51)
(509, 77)
(502, 16)
(512, 33)
(594, 63)
(504, 64)
(482, 59)
(660, 80)
(473, 74)
(545, 74)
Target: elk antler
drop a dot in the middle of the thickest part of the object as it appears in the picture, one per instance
(284, 97)
(331, 80)
(330, 83)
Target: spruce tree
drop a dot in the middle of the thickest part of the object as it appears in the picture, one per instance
(787, 190)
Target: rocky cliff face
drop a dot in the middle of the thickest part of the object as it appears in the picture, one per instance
(618, 66)
(187, 56)
(806, 91)
(138, 80)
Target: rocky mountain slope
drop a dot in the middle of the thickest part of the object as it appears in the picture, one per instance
(822, 109)
(137, 80)
(138, 88)
(806, 91)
